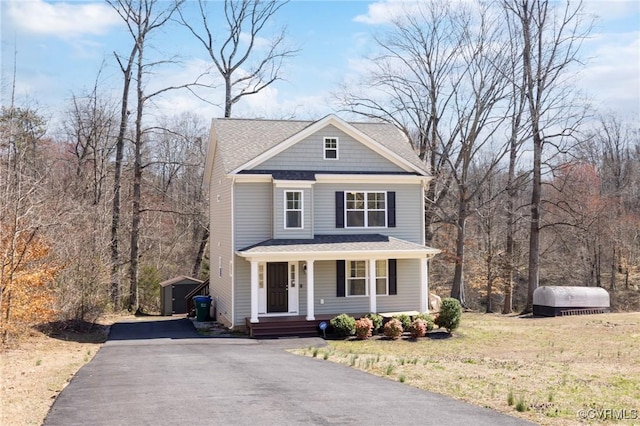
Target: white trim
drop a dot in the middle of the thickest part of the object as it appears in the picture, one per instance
(284, 256)
(310, 290)
(324, 148)
(341, 125)
(285, 209)
(372, 286)
(252, 178)
(254, 291)
(232, 193)
(292, 183)
(293, 304)
(262, 291)
(371, 178)
(424, 287)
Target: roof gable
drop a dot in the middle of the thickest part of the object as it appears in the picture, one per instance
(245, 144)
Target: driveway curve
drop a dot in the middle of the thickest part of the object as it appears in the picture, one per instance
(162, 373)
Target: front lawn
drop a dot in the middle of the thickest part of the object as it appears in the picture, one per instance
(549, 370)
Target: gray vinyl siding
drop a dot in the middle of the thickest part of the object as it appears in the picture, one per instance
(325, 288)
(220, 241)
(408, 285)
(308, 154)
(407, 299)
(307, 212)
(253, 206)
(242, 290)
(408, 210)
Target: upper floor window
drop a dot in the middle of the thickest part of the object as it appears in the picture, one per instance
(293, 209)
(366, 209)
(330, 148)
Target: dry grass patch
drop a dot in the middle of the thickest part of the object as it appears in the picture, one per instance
(35, 369)
(540, 369)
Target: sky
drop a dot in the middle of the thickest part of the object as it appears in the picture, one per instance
(58, 48)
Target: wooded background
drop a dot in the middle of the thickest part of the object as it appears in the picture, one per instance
(532, 185)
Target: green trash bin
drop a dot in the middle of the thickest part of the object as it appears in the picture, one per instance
(203, 303)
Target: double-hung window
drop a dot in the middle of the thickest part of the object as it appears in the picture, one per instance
(330, 148)
(293, 208)
(357, 278)
(365, 209)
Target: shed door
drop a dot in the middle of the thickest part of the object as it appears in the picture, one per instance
(179, 304)
(277, 287)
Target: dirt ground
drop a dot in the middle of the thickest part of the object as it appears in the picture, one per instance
(35, 369)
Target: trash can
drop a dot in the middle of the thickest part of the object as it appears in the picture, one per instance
(203, 303)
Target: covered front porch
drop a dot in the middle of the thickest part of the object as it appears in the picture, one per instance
(290, 280)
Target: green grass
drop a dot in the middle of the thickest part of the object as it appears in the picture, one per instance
(561, 364)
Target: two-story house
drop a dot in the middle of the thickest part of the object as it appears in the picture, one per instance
(310, 219)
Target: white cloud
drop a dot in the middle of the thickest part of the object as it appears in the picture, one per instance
(611, 9)
(64, 20)
(612, 76)
(385, 11)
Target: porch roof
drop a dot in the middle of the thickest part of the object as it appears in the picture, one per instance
(330, 247)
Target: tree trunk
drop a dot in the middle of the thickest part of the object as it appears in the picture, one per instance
(137, 183)
(203, 244)
(115, 209)
(457, 289)
(534, 236)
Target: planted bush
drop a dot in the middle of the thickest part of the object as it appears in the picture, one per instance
(427, 318)
(344, 325)
(393, 328)
(364, 326)
(418, 328)
(450, 314)
(404, 319)
(376, 320)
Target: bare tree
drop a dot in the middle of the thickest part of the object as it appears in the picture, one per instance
(439, 79)
(246, 68)
(142, 18)
(551, 39)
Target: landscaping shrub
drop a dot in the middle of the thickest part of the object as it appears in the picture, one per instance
(393, 328)
(376, 320)
(363, 328)
(427, 318)
(404, 319)
(450, 313)
(344, 325)
(418, 328)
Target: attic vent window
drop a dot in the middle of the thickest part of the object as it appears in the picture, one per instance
(330, 148)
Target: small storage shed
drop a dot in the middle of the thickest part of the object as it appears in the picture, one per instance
(173, 293)
(551, 301)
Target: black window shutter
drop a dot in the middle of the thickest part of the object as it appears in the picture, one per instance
(339, 209)
(393, 277)
(391, 209)
(340, 279)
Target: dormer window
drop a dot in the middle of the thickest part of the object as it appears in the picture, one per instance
(330, 148)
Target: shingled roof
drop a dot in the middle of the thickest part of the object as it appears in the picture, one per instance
(240, 141)
(331, 245)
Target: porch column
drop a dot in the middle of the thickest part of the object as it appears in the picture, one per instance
(254, 291)
(310, 291)
(372, 286)
(424, 286)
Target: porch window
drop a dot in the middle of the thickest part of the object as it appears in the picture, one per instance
(330, 148)
(293, 209)
(357, 278)
(382, 278)
(366, 209)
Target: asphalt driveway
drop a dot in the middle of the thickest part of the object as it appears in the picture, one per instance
(162, 373)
